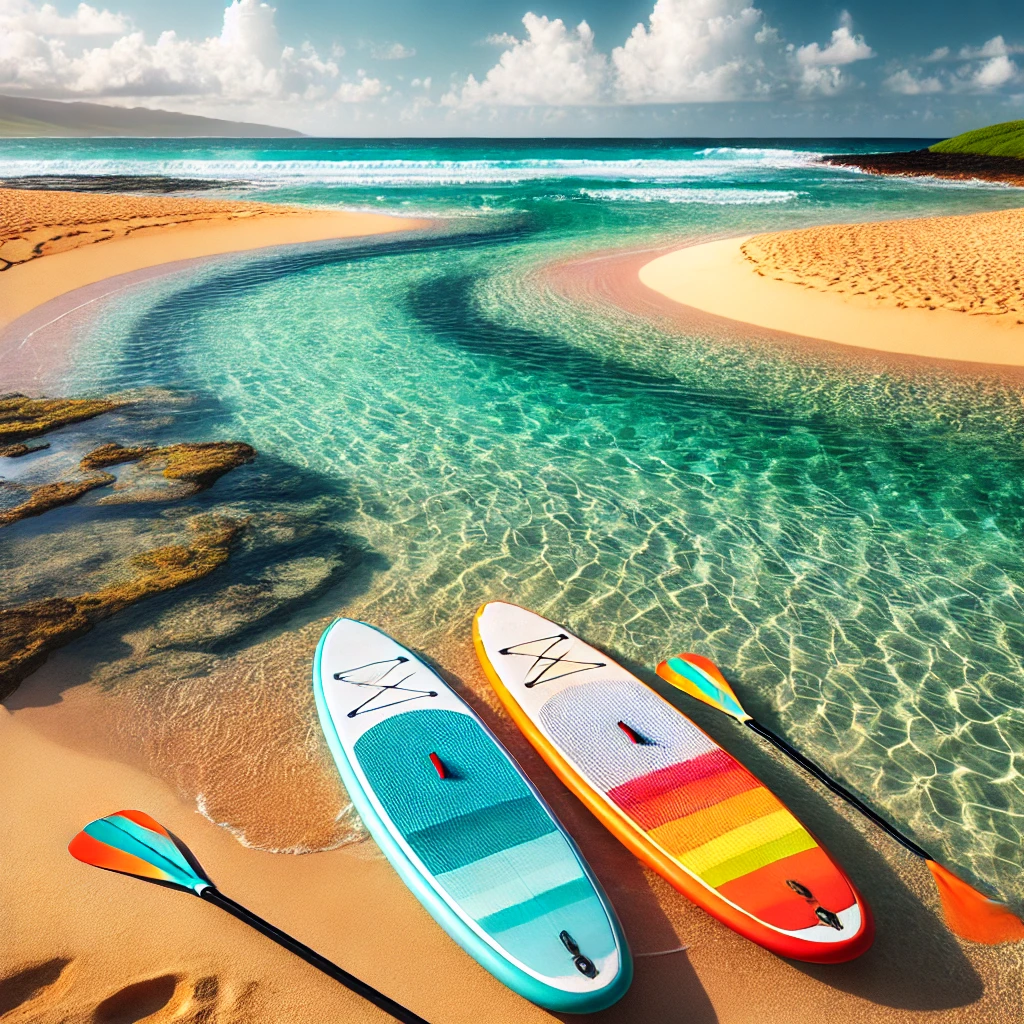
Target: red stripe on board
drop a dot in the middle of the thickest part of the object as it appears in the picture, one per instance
(696, 796)
(647, 787)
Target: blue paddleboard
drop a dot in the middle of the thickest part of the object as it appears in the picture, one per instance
(462, 825)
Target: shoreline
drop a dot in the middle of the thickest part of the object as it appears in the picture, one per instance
(349, 904)
(127, 242)
(847, 285)
(102, 237)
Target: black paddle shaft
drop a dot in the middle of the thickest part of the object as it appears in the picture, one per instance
(350, 981)
(826, 780)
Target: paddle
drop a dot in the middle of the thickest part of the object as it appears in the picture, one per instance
(132, 843)
(969, 913)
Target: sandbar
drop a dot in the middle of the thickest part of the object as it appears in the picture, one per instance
(55, 242)
(937, 287)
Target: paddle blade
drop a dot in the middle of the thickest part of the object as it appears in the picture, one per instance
(133, 843)
(701, 678)
(971, 914)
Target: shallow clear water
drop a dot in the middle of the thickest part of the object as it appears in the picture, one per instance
(843, 535)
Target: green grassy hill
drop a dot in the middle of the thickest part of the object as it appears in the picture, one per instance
(1006, 139)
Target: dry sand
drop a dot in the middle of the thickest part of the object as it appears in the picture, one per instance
(940, 287)
(48, 240)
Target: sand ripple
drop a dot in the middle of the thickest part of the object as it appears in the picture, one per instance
(969, 264)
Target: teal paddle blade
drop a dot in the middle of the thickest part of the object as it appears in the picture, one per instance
(133, 843)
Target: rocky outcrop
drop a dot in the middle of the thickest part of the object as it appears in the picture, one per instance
(30, 630)
(15, 451)
(923, 162)
(22, 417)
(48, 496)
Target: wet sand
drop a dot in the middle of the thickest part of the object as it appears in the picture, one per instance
(939, 287)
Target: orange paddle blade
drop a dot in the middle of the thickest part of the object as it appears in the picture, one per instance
(133, 843)
(972, 915)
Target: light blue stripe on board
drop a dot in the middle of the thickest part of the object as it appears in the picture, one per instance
(512, 876)
(544, 903)
(536, 941)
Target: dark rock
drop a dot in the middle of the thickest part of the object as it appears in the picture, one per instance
(923, 162)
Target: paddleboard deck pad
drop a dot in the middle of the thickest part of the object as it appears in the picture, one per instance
(463, 826)
(666, 790)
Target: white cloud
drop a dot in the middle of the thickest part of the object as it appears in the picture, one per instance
(995, 72)
(392, 51)
(821, 81)
(995, 47)
(359, 91)
(907, 84)
(687, 51)
(246, 63)
(23, 16)
(694, 50)
(552, 66)
(985, 68)
(843, 48)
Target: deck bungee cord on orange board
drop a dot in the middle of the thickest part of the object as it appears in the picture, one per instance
(970, 914)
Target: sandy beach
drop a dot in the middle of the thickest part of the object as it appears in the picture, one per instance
(138, 232)
(939, 287)
(96, 947)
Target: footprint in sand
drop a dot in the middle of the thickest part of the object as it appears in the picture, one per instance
(171, 998)
(37, 994)
(38, 985)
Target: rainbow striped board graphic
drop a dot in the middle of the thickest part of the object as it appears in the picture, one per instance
(463, 826)
(667, 791)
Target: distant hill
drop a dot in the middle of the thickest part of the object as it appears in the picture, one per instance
(21, 117)
(1006, 139)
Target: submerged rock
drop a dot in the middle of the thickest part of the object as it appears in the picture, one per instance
(31, 629)
(48, 496)
(29, 632)
(22, 417)
(195, 465)
(15, 451)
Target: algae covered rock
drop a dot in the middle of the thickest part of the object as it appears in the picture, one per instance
(29, 632)
(196, 465)
(49, 496)
(22, 417)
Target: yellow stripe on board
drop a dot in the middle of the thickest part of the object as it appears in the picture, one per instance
(739, 841)
(700, 827)
(762, 856)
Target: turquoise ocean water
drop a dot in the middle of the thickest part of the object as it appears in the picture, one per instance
(842, 533)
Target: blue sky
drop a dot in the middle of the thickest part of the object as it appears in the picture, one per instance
(519, 67)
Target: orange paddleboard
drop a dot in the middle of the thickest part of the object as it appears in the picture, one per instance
(668, 792)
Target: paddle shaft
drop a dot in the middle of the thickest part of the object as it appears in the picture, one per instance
(841, 791)
(350, 981)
